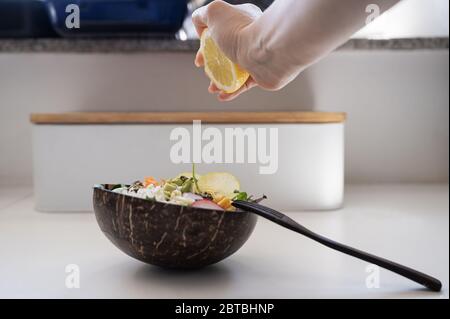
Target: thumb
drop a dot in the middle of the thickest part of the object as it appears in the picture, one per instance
(206, 16)
(200, 20)
(224, 21)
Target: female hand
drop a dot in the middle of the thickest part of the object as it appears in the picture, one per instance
(275, 47)
(227, 24)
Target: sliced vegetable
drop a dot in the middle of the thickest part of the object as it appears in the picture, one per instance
(150, 181)
(188, 175)
(187, 186)
(192, 196)
(181, 200)
(223, 184)
(240, 196)
(168, 189)
(225, 203)
(179, 180)
(211, 191)
(217, 198)
(206, 204)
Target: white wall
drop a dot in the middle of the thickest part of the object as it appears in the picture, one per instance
(397, 103)
(407, 19)
(410, 18)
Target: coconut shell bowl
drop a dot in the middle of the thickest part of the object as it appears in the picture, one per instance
(168, 235)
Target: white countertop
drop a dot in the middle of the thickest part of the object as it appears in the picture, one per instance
(406, 223)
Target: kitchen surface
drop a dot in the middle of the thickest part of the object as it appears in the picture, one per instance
(406, 223)
(355, 148)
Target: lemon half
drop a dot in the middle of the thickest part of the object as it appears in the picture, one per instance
(224, 73)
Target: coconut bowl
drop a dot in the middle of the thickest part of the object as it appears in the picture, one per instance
(169, 235)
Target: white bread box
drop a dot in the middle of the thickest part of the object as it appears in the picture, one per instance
(295, 158)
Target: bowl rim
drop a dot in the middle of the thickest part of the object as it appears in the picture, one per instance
(101, 187)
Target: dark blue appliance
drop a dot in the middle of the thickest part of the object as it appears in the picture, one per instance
(119, 17)
(24, 19)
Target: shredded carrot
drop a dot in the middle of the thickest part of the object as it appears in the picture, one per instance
(225, 203)
(217, 198)
(149, 181)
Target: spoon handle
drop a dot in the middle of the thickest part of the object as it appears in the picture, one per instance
(283, 220)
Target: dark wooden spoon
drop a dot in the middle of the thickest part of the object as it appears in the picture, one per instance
(283, 220)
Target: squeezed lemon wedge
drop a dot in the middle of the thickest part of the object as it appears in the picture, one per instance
(224, 73)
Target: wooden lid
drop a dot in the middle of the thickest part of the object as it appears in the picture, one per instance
(186, 117)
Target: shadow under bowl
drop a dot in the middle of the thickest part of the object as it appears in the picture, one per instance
(168, 235)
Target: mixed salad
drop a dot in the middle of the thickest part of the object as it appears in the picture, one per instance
(211, 191)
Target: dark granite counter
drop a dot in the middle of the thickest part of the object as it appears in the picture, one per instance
(97, 45)
(142, 45)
